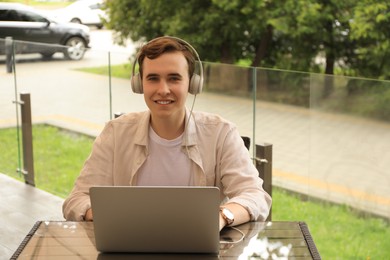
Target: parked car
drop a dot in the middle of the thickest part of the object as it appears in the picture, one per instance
(34, 32)
(88, 12)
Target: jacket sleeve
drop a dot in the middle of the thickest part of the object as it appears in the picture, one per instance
(240, 179)
(97, 171)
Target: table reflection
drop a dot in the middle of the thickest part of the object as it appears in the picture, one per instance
(254, 240)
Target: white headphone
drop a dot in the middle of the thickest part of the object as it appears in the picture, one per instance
(196, 81)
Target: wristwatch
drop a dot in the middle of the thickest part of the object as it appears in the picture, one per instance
(227, 215)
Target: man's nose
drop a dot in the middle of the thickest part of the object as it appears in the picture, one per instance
(163, 87)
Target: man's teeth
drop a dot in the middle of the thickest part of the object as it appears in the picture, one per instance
(163, 102)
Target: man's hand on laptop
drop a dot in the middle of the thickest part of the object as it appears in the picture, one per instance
(222, 222)
(88, 215)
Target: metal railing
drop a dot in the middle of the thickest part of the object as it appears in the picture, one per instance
(320, 126)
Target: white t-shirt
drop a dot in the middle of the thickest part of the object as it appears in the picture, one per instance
(166, 165)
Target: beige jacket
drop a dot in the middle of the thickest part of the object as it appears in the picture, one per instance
(213, 145)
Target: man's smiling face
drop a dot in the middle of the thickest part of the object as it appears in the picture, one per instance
(165, 83)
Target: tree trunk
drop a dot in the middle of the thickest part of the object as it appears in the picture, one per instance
(330, 60)
(226, 56)
(262, 49)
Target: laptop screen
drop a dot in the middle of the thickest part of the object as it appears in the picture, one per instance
(156, 219)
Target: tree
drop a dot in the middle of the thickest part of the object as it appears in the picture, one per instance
(217, 29)
(283, 34)
(370, 27)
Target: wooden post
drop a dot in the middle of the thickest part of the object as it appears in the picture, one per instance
(28, 156)
(118, 114)
(263, 162)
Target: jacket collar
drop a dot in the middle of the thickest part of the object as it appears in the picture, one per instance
(142, 134)
(190, 138)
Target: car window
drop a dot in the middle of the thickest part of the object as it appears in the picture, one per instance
(27, 16)
(95, 6)
(8, 15)
(20, 16)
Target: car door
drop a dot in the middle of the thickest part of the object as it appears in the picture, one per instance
(36, 28)
(9, 24)
(26, 26)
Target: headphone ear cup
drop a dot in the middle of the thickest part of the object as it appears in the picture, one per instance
(136, 84)
(195, 84)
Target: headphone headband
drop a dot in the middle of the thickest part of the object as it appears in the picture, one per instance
(196, 81)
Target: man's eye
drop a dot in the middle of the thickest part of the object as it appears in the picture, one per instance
(174, 79)
(152, 78)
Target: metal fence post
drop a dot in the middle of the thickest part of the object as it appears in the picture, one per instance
(264, 167)
(28, 158)
(8, 54)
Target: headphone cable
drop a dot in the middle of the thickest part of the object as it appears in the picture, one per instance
(187, 123)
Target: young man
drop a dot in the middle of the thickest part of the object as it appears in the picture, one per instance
(169, 145)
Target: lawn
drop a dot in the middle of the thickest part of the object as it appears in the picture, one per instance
(41, 4)
(58, 157)
(119, 71)
(338, 232)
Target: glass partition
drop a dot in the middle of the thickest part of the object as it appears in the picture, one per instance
(350, 142)
(325, 130)
(330, 134)
(77, 96)
(9, 137)
(227, 91)
(282, 119)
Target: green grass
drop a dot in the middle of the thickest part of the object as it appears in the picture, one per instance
(58, 157)
(338, 232)
(119, 71)
(41, 4)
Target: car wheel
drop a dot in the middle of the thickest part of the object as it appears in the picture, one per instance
(76, 48)
(75, 20)
(47, 55)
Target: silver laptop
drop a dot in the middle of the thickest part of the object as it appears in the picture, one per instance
(156, 219)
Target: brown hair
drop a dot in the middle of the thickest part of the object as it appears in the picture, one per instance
(166, 44)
